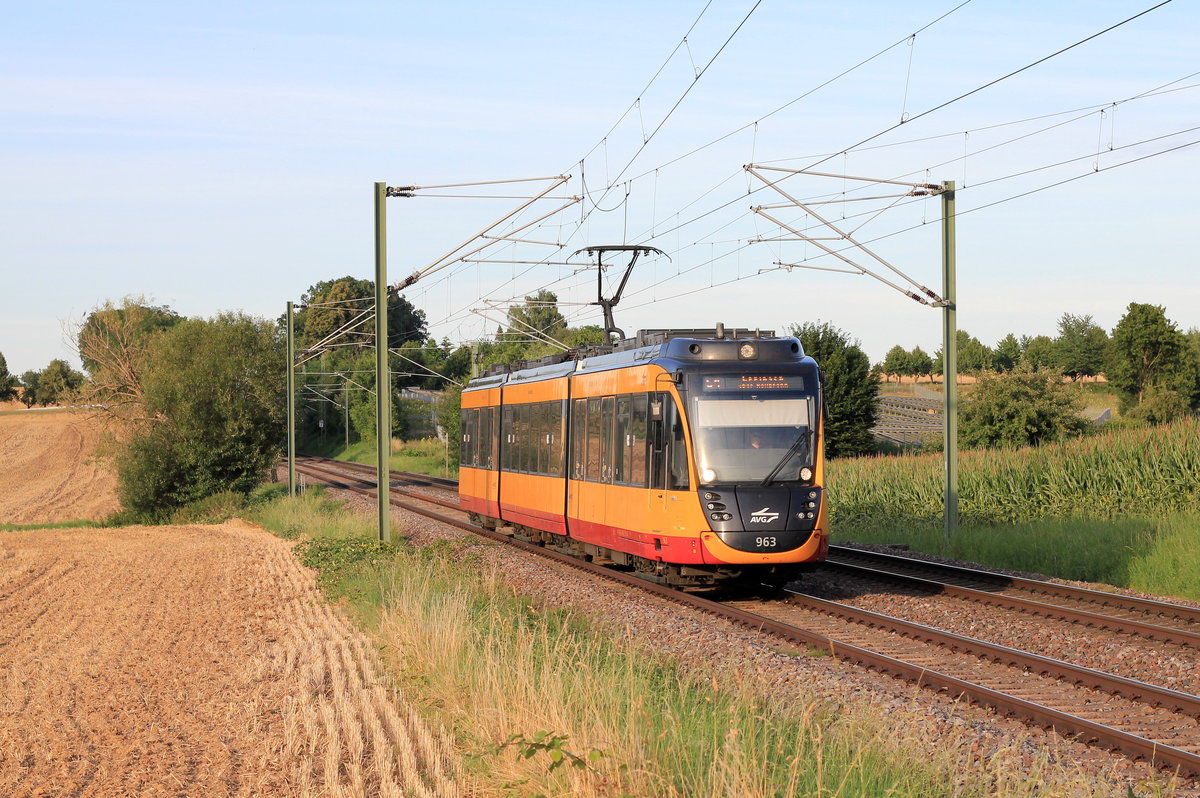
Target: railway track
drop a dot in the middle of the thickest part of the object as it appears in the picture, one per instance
(1153, 620)
(1139, 719)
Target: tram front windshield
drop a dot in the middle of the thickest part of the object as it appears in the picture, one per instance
(748, 428)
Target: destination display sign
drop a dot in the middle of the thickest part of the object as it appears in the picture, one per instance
(754, 382)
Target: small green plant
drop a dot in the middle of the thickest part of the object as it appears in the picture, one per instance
(213, 509)
(266, 493)
(555, 748)
(335, 559)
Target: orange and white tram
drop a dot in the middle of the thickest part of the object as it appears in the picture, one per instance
(689, 456)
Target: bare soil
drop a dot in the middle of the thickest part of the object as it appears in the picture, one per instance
(192, 661)
(49, 470)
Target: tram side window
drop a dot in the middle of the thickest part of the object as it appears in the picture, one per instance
(527, 439)
(594, 426)
(608, 409)
(578, 438)
(556, 415)
(477, 437)
(537, 446)
(677, 455)
(668, 452)
(484, 436)
(464, 454)
(621, 441)
(533, 453)
(547, 436)
(635, 449)
(506, 438)
(657, 441)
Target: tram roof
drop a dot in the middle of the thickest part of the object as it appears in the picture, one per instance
(680, 346)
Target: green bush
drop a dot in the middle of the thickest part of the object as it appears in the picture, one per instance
(215, 509)
(213, 415)
(1022, 409)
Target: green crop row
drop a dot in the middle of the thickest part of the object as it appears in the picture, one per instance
(1125, 472)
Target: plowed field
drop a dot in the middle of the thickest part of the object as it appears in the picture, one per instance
(192, 661)
(47, 469)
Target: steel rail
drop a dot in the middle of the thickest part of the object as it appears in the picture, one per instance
(411, 477)
(1063, 723)
(1131, 689)
(1103, 598)
(1085, 617)
(363, 482)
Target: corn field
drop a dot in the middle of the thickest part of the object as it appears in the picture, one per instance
(1124, 472)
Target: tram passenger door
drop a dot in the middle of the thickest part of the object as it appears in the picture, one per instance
(668, 455)
(488, 437)
(577, 487)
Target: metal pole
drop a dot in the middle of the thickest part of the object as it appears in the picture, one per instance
(291, 399)
(324, 369)
(950, 361)
(383, 380)
(346, 408)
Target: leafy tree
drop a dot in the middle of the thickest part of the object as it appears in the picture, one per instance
(540, 313)
(897, 361)
(345, 306)
(29, 392)
(851, 389)
(1021, 409)
(1159, 405)
(1193, 340)
(973, 355)
(920, 362)
(57, 383)
(333, 305)
(1080, 347)
(449, 419)
(362, 415)
(213, 414)
(113, 343)
(1149, 353)
(1007, 354)
(8, 382)
(514, 345)
(1037, 353)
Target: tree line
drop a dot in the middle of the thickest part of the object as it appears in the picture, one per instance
(55, 384)
(196, 406)
(1147, 359)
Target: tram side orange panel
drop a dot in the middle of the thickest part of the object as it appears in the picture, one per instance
(475, 486)
(535, 501)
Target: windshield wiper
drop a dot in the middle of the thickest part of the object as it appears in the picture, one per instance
(800, 443)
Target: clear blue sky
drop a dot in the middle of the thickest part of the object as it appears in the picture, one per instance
(221, 156)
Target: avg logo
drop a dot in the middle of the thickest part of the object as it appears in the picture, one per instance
(764, 516)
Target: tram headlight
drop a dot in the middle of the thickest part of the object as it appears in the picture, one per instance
(707, 475)
(747, 351)
(806, 474)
